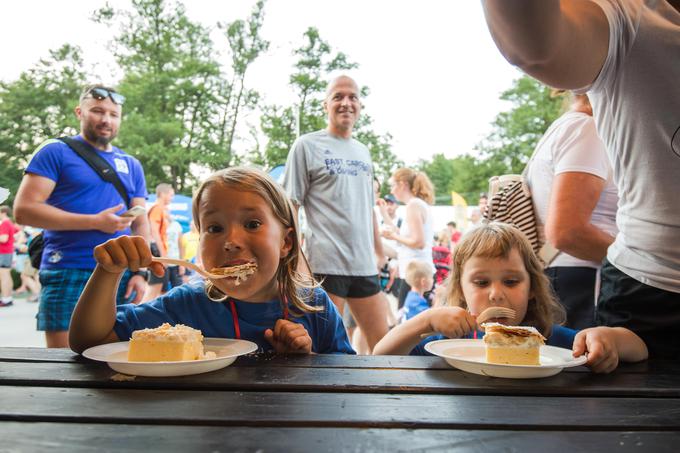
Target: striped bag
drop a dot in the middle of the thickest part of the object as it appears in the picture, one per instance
(510, 202)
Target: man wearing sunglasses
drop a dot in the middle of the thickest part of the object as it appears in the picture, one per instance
(63, 194)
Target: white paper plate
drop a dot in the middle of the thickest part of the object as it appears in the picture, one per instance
(470, 356)
(226, 350)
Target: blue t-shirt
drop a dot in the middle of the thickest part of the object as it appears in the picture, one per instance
(189, 305)
(79, 189)
(414, 304)
(560, 336)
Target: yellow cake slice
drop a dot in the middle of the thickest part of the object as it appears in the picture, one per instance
(167, 344)
(512, 345)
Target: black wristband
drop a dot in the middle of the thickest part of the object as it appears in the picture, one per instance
(141, 273)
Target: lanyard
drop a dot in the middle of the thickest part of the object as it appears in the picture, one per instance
(234, 316)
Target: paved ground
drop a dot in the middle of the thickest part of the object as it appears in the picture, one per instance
(17, 325)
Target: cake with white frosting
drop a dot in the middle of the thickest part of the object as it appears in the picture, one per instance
(167, 344)
(512, 345)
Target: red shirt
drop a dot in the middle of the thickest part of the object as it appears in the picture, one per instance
(8, 228)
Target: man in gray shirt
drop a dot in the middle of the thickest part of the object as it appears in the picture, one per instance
(330, 174)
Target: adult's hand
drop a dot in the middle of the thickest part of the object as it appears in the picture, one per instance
(108, 222)
(138, 285)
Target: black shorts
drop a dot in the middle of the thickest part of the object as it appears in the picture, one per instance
(575, 289)
(350, 286)
(652, 313)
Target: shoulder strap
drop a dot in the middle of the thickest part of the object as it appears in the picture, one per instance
(98, 164)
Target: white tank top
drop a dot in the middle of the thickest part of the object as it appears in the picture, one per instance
(407, 254)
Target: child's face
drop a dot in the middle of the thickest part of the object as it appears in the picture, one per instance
(497, 282)
(239, 227)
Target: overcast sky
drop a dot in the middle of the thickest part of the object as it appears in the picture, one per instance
(434, 73)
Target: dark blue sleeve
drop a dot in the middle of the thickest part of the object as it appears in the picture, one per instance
(149, 315)
(47, 160)
(420, 347)
(330, 336)
(562, 337)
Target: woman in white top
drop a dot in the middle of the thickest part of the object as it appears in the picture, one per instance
(414, 237)
(576, 200)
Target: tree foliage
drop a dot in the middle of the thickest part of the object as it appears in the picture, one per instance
(37, 106)
(515, 133)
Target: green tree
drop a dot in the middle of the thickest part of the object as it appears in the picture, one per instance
(183, 111)
(517, 132)
(37, 106)
(282, 124)
(507, 148)
(246, 45)
(169, 69)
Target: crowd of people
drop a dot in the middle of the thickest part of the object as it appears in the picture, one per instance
(599, 179)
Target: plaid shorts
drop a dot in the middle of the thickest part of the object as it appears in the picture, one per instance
(60, 291)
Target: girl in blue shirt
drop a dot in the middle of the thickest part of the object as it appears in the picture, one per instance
(494, 265)
(242, 216)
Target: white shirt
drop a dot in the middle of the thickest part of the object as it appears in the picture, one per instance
(571, 144)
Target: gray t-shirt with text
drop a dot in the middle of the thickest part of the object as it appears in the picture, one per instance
(332, 178)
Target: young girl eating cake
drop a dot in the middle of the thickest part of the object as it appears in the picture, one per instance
(245, 221)
(494, 265)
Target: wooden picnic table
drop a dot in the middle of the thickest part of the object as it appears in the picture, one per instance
(54, 400)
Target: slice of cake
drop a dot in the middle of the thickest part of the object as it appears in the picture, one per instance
(512, 345)
(167, 344)
(239, 271)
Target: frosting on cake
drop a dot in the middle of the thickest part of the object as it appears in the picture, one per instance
(514, 345)
(239, 271)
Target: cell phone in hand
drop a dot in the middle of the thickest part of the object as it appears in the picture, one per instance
(134, 212)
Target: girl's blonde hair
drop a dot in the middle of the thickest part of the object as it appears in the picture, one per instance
(290, 281)
(497, 240)
(418, 182)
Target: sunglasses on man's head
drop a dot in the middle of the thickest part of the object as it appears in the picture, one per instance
(102, 93)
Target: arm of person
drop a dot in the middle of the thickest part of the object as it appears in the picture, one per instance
(401, 339)
(607, 345)
(377, 243)
(547, 38)
(30, 208)
(140, 225)
(387, 220)
(573, 198)
(454, 322)
(95, 313)
(303, 264)
(155, 227)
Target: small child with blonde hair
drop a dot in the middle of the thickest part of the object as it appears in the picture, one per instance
(419, 278)
(494, 265)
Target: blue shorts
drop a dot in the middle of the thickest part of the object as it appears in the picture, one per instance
(60, 291)
(6, 260)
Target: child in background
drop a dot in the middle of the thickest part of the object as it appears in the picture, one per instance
(190, 249)
(242, 216)
(494, 265)
(419, 278)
